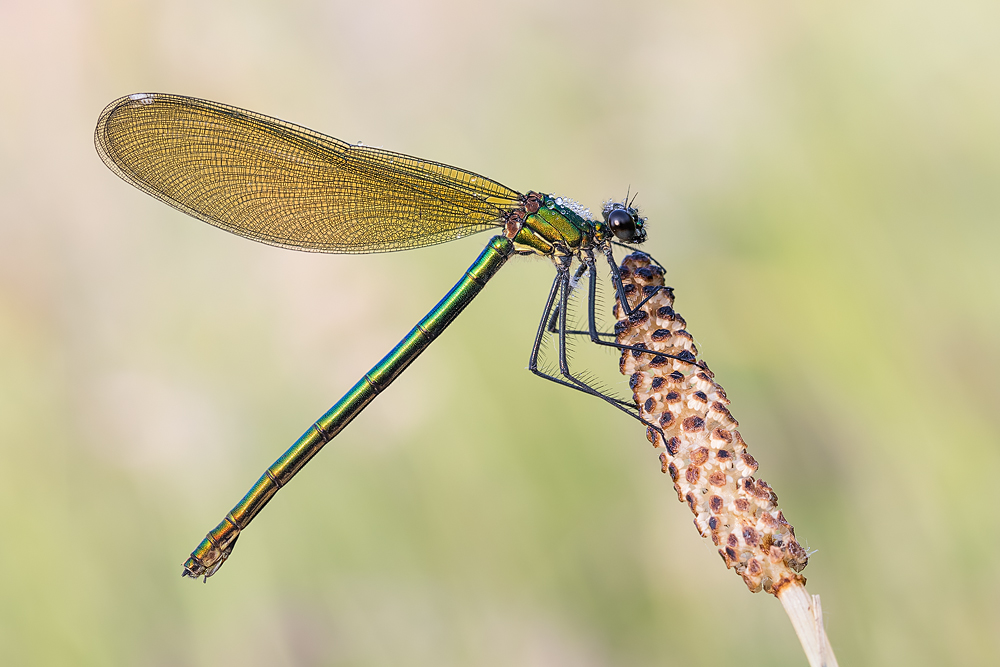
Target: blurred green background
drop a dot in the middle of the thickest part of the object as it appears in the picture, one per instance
(821, 181)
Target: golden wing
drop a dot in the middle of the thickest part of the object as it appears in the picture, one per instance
(285, 185)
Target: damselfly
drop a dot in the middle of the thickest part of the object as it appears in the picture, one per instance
(288, 186)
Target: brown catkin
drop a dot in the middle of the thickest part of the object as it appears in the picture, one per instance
(701, 449)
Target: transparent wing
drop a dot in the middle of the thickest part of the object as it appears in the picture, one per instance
(285, 185)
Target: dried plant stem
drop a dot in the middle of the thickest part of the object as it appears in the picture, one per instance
(701, 449)
(806, 615)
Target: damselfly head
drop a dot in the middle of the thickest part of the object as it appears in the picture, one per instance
(625, 222)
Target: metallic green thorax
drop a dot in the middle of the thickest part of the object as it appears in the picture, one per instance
(217, 545)
(549, 227)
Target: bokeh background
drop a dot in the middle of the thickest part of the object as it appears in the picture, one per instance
(821, 181)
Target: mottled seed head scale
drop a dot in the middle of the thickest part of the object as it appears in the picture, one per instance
(700, 447)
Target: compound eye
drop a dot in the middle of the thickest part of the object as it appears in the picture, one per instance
(622, 224)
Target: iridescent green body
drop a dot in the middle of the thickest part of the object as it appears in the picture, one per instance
(217, 545)
(553, 230)
(285, 185)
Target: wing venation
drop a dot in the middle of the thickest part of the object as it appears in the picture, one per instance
(285, 185)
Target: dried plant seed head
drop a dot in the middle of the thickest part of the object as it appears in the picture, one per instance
(695, 433)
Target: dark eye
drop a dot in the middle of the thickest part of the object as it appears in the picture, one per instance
(622, 224)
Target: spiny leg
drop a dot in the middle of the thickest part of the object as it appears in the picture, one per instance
(684, 356)
(542, 328)
(625, 406)
(554, 319)
(556, 312)
(560, 286)
(589, 265)
(628, 407)
(616, 279)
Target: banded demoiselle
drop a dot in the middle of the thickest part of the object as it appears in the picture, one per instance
(282, 184)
